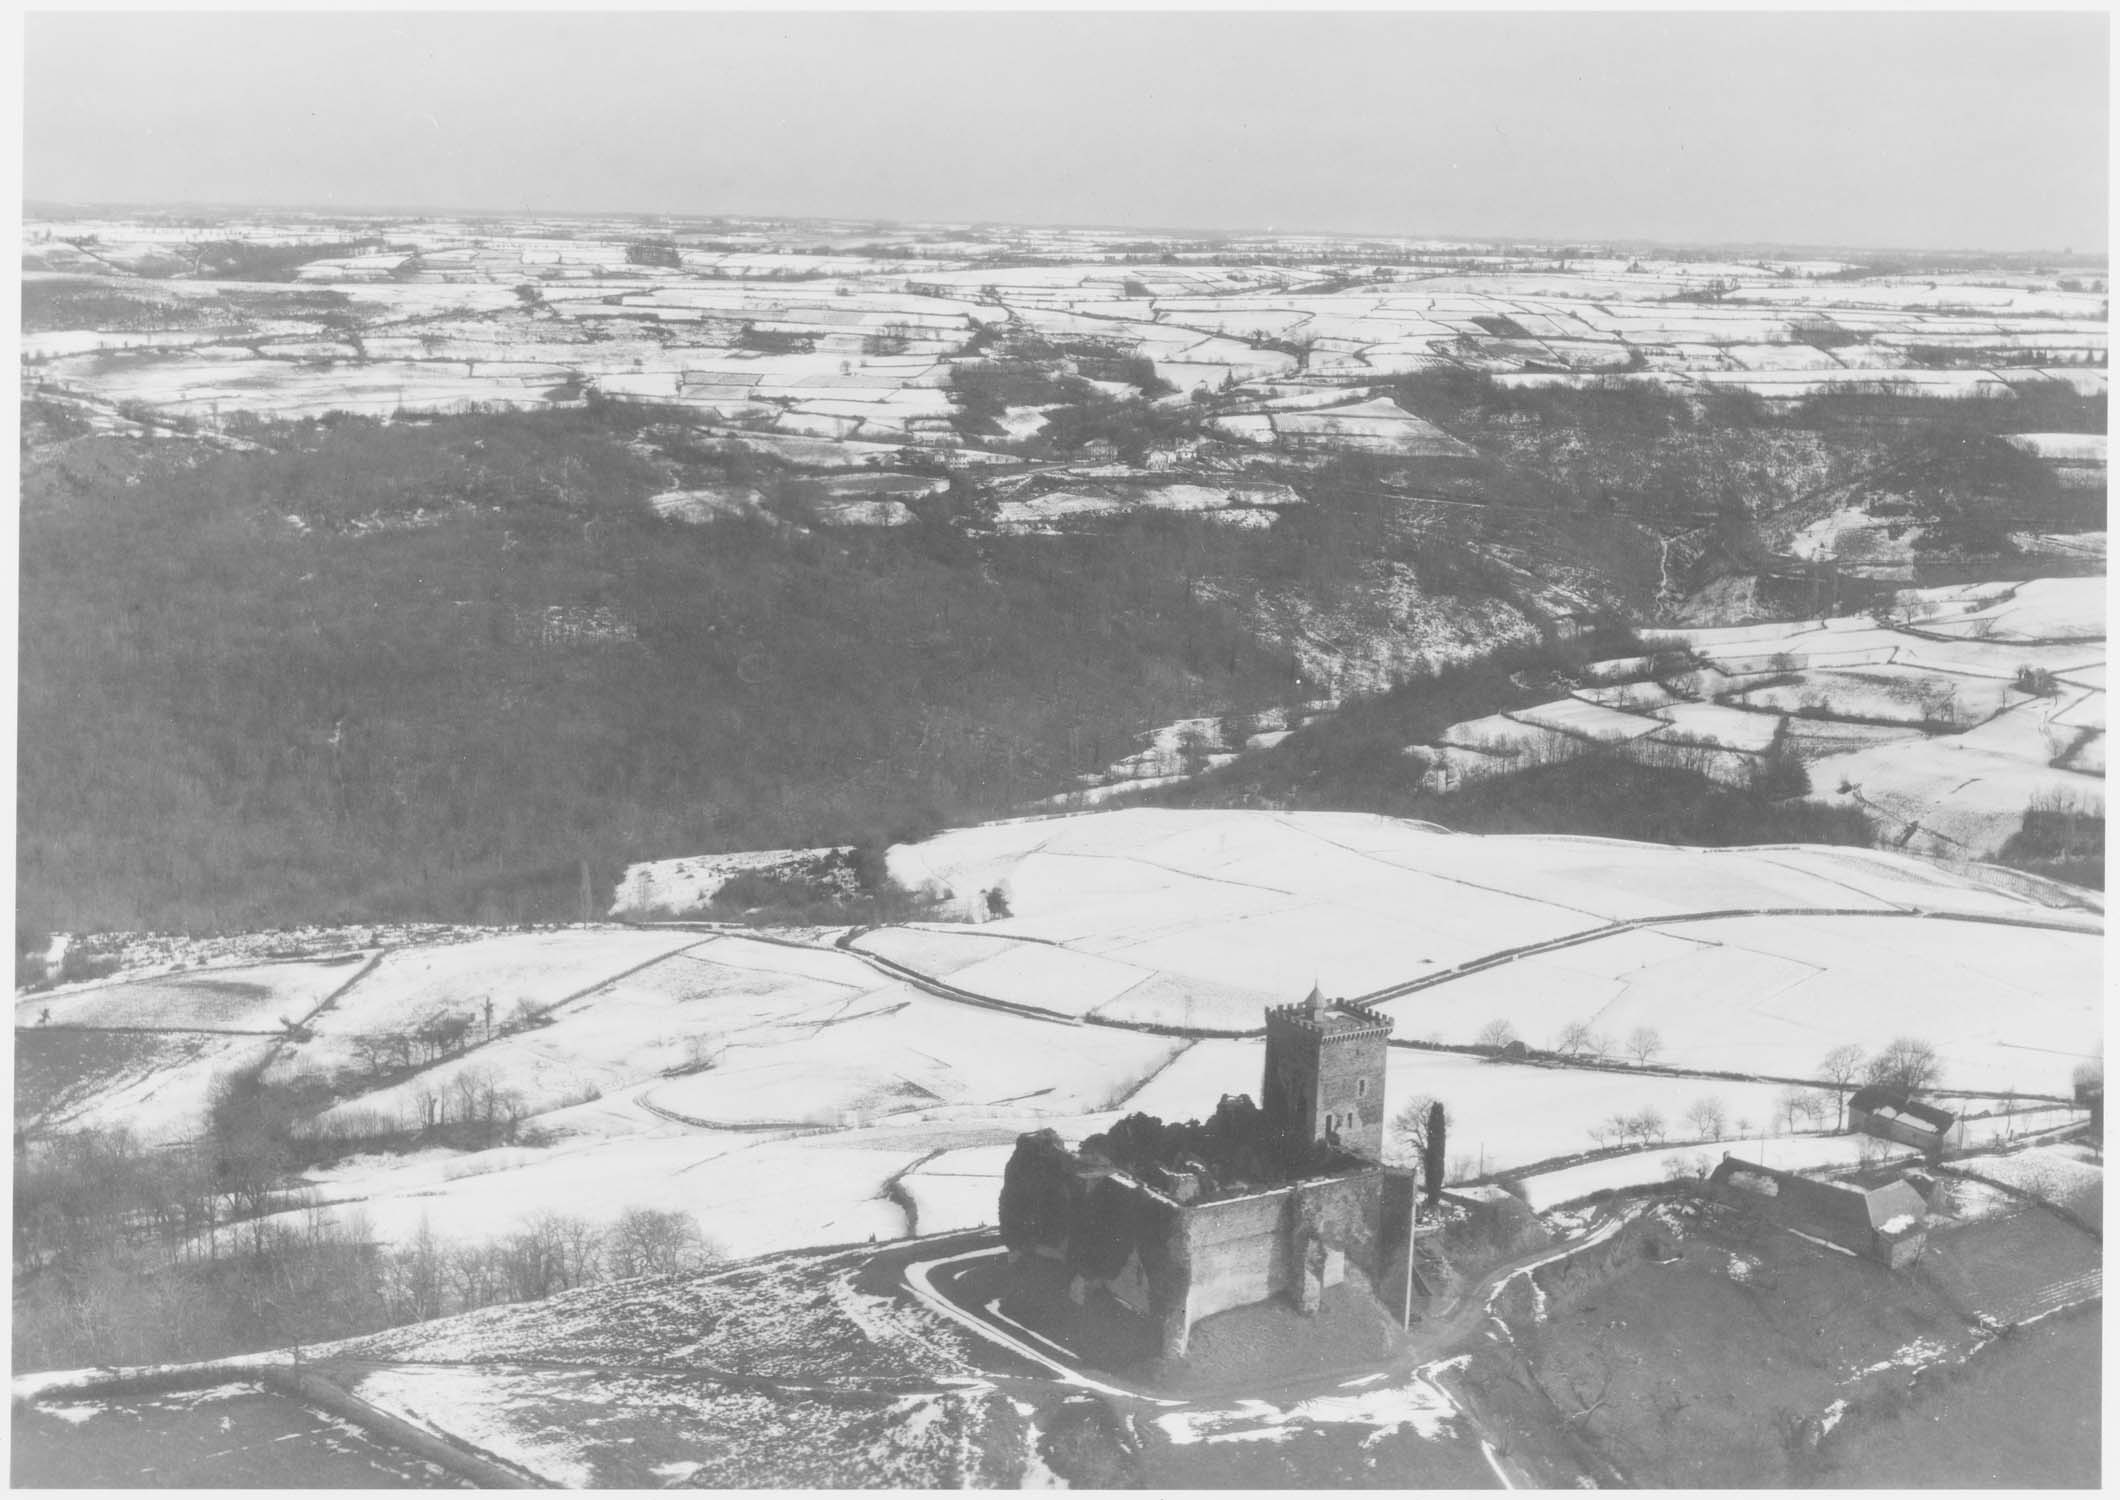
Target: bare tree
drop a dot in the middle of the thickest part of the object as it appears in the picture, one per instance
(466, 1086)
(375, 1051)
(581, 1248)
(1496, 1035)
(476, 1273)
(1409, 1127)
(655, 1242)
(531, 1259)
(1907, 1063)
(1841, 1067)
(1575, 1039)
(417, 1280)
(1707, 1117)
(1643, 1043)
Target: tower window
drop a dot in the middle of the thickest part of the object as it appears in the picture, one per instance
(1361, 1088)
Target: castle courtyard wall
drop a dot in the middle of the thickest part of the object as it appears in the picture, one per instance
(1244, 1250)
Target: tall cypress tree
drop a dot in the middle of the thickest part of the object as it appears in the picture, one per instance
(1432, 1153)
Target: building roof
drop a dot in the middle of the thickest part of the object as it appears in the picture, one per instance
(1835, 1211)
(1893, 1202)
(1879, 1099)
(1827, 1209)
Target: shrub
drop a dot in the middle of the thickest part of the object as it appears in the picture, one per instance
(1780, 775)
(80, 964)
(775, 340)
(653, 253)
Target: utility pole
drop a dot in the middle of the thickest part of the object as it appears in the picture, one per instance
(1413, 1229)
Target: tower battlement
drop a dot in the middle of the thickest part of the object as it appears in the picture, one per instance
(1331, 1020)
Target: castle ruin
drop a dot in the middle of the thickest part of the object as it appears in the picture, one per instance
(1283, 1200)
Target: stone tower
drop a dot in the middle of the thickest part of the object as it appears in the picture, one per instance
(1325, 1073)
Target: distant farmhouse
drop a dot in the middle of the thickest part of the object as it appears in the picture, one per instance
(1888, 1224)
(1890, 1115)
(1288, 1199)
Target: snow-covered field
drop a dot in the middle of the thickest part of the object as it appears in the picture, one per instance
(841, 360)
(1226, 913)
(787, 1091)
(538, 970)
(259, 998)
(1795, 1153)
(2055, 1175)
(1918, 720)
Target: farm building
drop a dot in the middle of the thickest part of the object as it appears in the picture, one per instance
(1178, 1222)
(1887, 1224)
(1890, 1115)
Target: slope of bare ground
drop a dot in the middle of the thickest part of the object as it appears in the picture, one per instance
(1703, 1351)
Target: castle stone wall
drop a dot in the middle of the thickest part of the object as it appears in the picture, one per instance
(1246, 1250)
(1176, 1263)
(1351, 1091)
(1238, 1252)
(1324, 1073)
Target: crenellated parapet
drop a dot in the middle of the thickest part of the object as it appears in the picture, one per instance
(1335, 1020)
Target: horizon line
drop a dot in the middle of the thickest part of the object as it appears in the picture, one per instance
(29, 203)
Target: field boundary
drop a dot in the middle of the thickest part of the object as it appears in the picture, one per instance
(452, 1454)
(2065, 1215)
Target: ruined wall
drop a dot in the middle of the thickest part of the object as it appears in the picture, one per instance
(1237, 1251)
(1246, 1250)
(1178, 1264)
(1396, 1198)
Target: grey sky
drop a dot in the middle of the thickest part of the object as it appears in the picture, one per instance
(1940, 130)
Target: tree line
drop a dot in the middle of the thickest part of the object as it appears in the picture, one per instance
(1908, 1064)
(245, 703)
(127, 1254)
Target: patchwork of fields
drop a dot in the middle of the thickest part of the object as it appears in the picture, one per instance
(825, 359)
(787, 1089)
(1944, 719)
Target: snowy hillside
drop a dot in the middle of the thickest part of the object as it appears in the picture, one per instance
(1943, 720)
(787, 1090)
